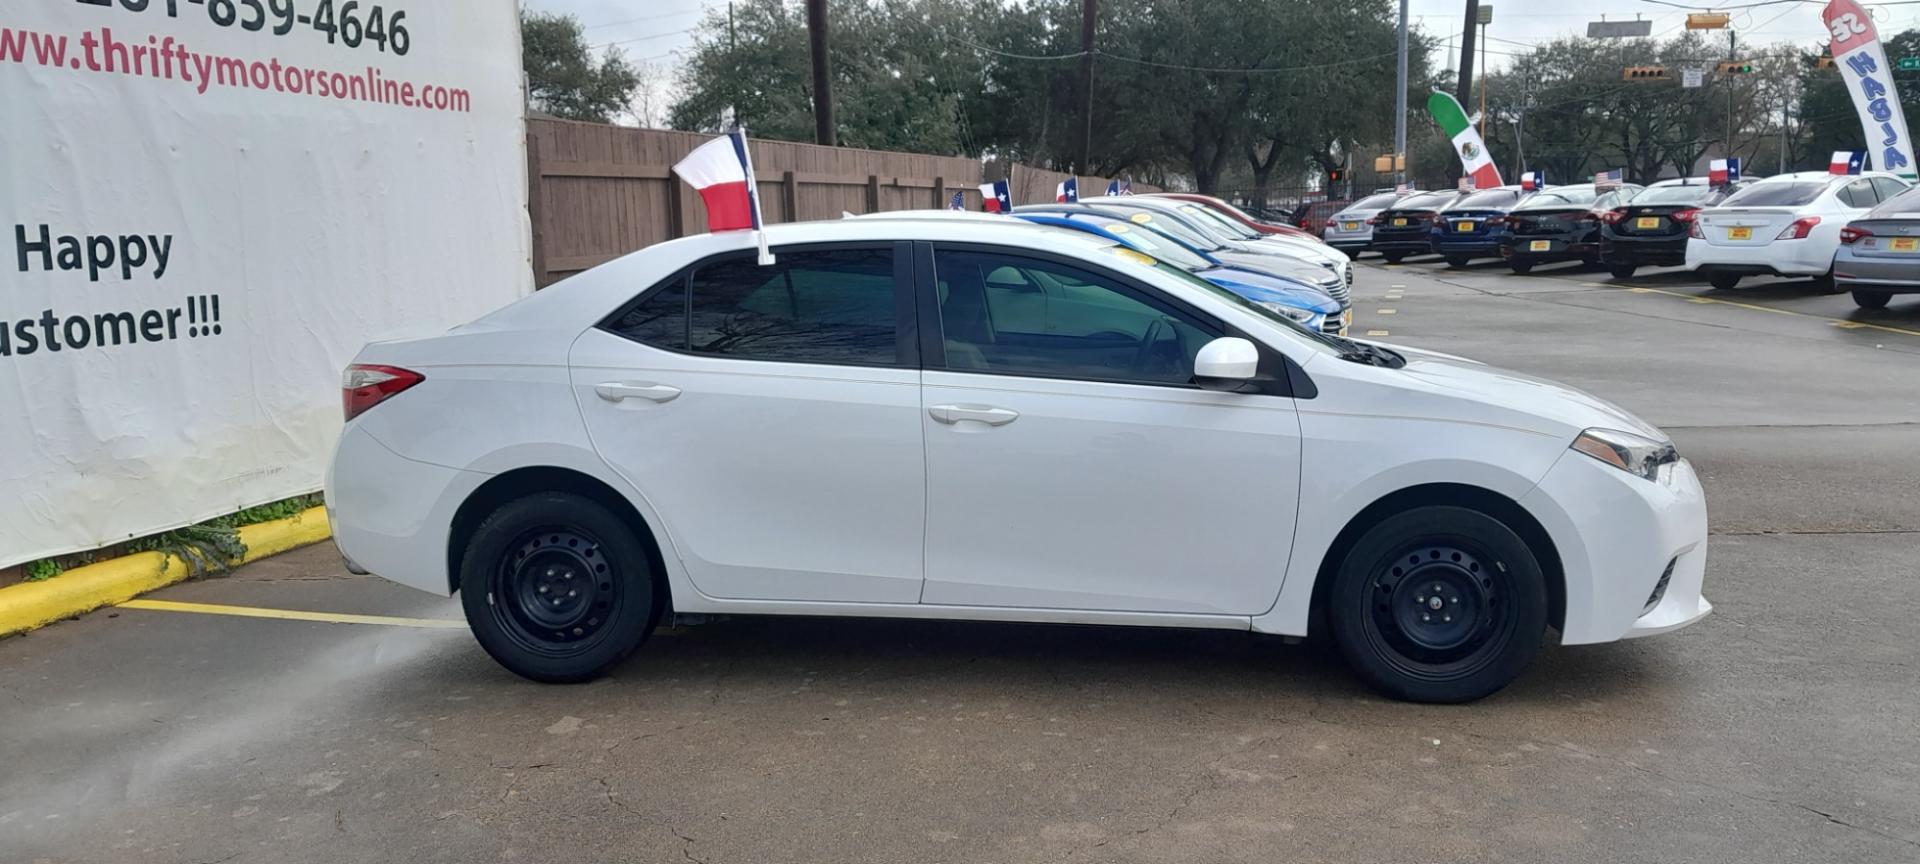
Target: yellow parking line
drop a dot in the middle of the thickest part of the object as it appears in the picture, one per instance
(1385, 311)
(1756, 307)
(292, 614)
(1378, 333)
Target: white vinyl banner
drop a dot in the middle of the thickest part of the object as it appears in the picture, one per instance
(1862, 61)
(206, 208)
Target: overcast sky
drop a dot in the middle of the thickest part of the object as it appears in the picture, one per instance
(655, 33)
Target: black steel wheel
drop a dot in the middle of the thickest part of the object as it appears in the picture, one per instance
(1871, 299)
(1723, 281)
(557, 588)
(1439, 604)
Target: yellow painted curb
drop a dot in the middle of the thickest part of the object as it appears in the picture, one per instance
(36, 604)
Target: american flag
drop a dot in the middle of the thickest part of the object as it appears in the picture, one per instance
(1610, 179)
(958, 201)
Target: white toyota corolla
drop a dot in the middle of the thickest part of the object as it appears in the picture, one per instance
(891, 421)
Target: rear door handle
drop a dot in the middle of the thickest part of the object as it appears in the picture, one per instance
(951, 414)
(616, 391)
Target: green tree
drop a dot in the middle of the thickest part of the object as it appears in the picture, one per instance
(562, 77)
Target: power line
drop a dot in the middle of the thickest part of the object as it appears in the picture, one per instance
(1174, 66)
(642, 38)
(644, 18)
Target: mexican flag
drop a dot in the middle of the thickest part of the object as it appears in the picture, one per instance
(1467, 145)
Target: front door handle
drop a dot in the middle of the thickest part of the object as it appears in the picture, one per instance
(616, 391)
(951, 414)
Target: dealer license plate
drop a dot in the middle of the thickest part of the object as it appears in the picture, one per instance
(1399, 223)
(1905, 244)
(1349, 226)
(1540, 246)
(1739, 233)
(1463, 226)
(1647, 222)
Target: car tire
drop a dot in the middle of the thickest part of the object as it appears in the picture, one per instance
(1393, 257)
(1521, 268)
(1723, 281)
(1825, 284)
(1457, 261)
(524, 555)
(1491, 593)
(1621, 271)
(1871, 299)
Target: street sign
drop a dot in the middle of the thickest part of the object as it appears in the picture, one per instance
(1908, 63)
(1693, 77)
(1618, 29)
(1485, 15)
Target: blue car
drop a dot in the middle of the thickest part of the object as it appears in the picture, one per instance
(1304, 304)
(1474, 226)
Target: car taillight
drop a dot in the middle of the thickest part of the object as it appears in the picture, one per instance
(1849, 235)
(1686, 215)
(1693, 230)
(1374, 219)
(365, 385)
(1613, 217)
(1800, 228)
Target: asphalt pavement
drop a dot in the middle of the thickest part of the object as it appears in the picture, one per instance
(1780, 729)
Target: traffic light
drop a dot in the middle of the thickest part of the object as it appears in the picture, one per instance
(1737, 67)
(1336, 175)
(1644, 73)
(1825, 62)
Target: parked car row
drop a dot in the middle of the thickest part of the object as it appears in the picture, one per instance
(1859, 233)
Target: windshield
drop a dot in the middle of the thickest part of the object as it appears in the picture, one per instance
(1498, 199)
(1791, 193)
(1375, 202)
(1144, 216)
(1673, 195)
(1152, 242)
(1317, 338)
(1219, 223)
(1425, 201)
(1905, 205)
(1557, 198)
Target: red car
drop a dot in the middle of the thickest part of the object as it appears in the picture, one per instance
(1237, 214)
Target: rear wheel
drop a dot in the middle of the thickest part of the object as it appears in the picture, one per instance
(1621, 271)
(1871, 299)
(1439, 604)
(1457, 261)
(557, 588)
(1824, 283)
(1723, 281)
(1520, 267)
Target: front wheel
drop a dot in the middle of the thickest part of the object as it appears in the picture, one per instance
(1723, 281)
(1439, 604)
(557, 588)
(1871, 299)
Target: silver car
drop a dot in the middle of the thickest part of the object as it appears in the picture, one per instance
(1349, 231)
(1879, 254)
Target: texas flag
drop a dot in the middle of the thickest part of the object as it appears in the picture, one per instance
(1848, 161)
(719, 170)
(1113, 188)
(995, 197)
(1068, 191)
(958, 201)
(1533, 181)
(1721, 171)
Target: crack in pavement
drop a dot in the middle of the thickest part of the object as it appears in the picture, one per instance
(686, 849)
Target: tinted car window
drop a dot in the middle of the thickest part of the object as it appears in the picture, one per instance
(1494, 198)
(1375, 202)
(834, 307)
(1559, 198)
(1425, 201)
(1888, 187)
(1791, 193)
(1674, 195)
(1859, 193)
(1011, 315)
(1905, 202)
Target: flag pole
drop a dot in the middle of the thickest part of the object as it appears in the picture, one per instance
(753, 194)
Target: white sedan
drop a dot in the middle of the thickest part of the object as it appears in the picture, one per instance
(882, 423)
(1784, 225)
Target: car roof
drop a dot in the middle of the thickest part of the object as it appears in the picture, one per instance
(1822, 175)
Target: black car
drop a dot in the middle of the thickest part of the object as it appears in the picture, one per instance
(1651, 230)
(1559, 224)
(1403, 229)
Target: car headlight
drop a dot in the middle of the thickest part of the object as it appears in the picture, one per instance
(1304, 317)
(1634, 454)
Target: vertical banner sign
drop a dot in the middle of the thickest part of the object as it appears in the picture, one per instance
(1474, 158)
(1862, 62)
(206, 208)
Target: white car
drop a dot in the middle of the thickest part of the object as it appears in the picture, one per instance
(1238, 236)
(1351, 229)
(880, 424)
(1784, 225)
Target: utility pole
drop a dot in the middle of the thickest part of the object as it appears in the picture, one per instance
(1731, 57)
(822, 73)
(733, 60)
(1088, 13)
(1400, 107)
(1464, 86)
(1483, 84)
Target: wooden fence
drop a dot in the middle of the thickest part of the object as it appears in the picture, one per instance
(598, 192)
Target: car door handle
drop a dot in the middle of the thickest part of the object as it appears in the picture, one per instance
(616, 391)
(951, 414)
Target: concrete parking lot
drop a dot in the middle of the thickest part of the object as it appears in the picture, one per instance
(1781, 729)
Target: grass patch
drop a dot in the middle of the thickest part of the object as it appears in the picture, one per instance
(209, 547)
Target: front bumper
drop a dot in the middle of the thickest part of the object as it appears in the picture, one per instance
(1616, 534)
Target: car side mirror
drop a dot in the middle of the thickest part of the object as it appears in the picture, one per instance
(1226, 363)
